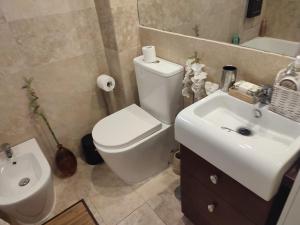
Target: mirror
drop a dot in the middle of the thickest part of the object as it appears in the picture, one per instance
(268, 25)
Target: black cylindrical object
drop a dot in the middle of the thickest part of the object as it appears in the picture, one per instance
(92, 157)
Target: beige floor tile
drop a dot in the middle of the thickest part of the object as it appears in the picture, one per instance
(81, 182)
(142, 216)
(112, 197)
(166, 180)
(168, 208)
(111, 200)
(94, 211)
(115, 208)
(64, 196)
(107, 183)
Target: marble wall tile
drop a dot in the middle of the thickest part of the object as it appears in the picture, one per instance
(117, 96)
(19, 9)
(52, 38)
(104, 11)
(119, 27)
(2, 17)
(142, 216)
(126, 24)
(109, 35)
(119, 23)
(128, 74)
(205, 15)
(67, 91)
(11, 60)
(15, 122)
(283, 19)
(121, 68)
(254, 65)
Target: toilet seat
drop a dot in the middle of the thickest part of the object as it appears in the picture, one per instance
(124, 128)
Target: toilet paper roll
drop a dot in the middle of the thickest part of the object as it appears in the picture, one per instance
(106, 82)
(149, 54)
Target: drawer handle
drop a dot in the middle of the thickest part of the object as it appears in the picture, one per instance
(211, 208)
(214, 179)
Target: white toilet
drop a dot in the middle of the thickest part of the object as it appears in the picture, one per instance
(136, 142)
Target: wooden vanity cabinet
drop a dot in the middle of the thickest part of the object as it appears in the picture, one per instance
(210, 197)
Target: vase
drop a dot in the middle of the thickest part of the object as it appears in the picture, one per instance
(65, 161)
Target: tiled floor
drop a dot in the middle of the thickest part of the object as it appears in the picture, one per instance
(113, 202)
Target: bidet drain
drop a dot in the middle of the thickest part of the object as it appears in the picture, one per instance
(24, 181)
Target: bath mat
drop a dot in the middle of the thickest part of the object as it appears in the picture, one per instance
(77, 214)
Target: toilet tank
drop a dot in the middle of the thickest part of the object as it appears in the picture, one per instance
(159, 86)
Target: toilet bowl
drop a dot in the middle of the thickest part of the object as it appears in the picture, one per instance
(136, 142)
(26, 190)
(133, 143)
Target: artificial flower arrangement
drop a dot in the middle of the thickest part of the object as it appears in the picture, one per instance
(194, 79)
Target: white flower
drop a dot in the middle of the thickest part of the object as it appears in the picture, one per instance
(186, 92)
(197, 68)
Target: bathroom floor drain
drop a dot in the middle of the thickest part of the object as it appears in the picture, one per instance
(24, 181)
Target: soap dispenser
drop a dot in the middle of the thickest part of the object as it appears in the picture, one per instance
(294, 68)
(290, 77)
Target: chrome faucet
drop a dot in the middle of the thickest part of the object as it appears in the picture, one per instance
(263, 98)
(265, 95)
(7, 149)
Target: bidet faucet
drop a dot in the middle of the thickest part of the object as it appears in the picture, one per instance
(7, 149)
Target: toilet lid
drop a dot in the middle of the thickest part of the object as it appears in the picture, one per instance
(125, 127)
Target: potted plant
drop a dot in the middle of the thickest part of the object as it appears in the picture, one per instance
(65, 160)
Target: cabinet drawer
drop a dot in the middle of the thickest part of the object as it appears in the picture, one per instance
(239, 197)
(204, 207)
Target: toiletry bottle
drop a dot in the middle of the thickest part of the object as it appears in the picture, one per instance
(235, 39)
(294, 68)
(297, 64)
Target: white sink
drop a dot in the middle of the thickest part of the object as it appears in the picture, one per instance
(258, 161)
(26, 186)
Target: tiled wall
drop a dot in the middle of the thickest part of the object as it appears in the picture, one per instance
(120, 31)
(253, 65)
(59, 44)
(283, 18)
(215, 19)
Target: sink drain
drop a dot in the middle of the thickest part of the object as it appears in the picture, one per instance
(244, 131)
(24, 181)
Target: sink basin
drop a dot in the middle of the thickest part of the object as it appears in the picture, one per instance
(11, 174)
(257, 161)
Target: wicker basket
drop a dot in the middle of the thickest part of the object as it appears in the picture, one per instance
(286, 102)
